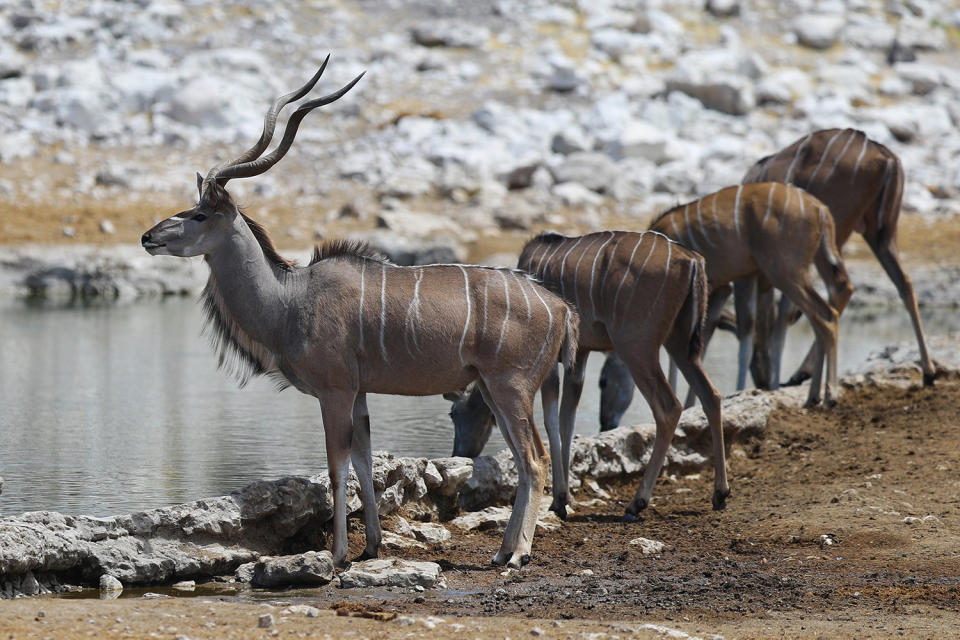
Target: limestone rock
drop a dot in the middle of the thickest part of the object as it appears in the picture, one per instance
(390, 572)
(818, 30)
(312, 568)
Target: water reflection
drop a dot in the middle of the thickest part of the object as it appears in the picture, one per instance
(112, 409)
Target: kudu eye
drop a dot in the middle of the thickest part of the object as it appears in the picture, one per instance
(200, 217)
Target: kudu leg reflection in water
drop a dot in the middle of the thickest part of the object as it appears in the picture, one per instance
(350, 323)
(633, 293)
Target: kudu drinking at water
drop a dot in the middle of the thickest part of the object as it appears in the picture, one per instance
(861, 181)
(633, 293)
(776, 231)
(351, 323)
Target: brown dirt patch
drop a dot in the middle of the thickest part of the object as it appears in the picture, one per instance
(842, 523)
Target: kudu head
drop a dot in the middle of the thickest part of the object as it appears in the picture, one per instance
(198, 231)
(616, 392)
(472, 422)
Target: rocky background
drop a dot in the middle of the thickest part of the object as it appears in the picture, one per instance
(474, 121)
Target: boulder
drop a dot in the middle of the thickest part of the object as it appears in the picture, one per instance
(595, 171)
(723, 8)
(391, 572)
(450, 34)
(818, 30)
(313, 568)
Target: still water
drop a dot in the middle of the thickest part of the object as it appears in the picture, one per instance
(114, 409)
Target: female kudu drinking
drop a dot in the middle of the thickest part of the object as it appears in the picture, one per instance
(350, 323)
(777, 231)
(633, 293)
(861, 181)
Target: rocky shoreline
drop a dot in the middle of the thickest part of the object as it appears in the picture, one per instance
(43, 552)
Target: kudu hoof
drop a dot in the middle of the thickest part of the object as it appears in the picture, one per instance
(560, 510)
(798, 378)
(635, 507)
(929, 378)
(367, 555)
(720, 499)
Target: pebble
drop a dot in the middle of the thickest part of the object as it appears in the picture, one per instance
(265, 621)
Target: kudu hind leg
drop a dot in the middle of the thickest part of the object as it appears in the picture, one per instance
(666, 413)
(514, 411)
(711, 401)
(745, 303)
(550, 397)
(337, 410)
(362, 458)
(715, 305)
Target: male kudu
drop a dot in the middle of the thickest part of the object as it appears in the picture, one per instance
(351, 323)
(633, 293)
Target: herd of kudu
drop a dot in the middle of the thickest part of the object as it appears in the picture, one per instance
(351, 323)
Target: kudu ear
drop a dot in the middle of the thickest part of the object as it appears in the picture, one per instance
(451, 396)
(199, 185)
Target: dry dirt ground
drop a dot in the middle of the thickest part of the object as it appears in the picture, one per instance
(843, 523)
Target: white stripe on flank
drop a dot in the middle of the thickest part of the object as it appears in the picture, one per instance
(703, 228)
(546, 340)
(535, 264)
(887, 174)
(673, 225)
(796, 156)
(506, 315)
(466, 323)
(486, 291)
(856, 167)
(693, 303)
(773, 186)
(593, 272)
(643, 265)
(610, 263)
(413, 312)
(563, 265)
(626, 271)
(802, 197)
(525, 297)
(686, 219)
(383, 312)
(576, 270)
(786, 203)
(363, 270)
(839, 156)
(823, 156)
(663, 283)
(736, 210)
(546, 263)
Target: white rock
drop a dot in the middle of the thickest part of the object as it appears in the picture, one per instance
(923, 78)
(818, 30)
(310, 568)
(459, 34)
(647, 546)
(574, 194)
(109, 583)
(301, 610)
(595, 171)
(430, 532)
(390, 572)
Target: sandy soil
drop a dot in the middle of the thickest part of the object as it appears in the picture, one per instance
(842, 523)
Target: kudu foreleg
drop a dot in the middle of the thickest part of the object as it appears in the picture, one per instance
(362, 458)
(572, 389)
(337, 410)
(745, 304)
(715, 304)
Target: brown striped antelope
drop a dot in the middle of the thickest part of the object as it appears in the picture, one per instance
(777, 231)
(350, 323)
(633, 293)
(861, 181)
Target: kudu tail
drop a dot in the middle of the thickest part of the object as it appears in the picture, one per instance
(571, 338)
(694, 310)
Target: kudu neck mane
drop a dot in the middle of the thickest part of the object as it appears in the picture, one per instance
(238, 352)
